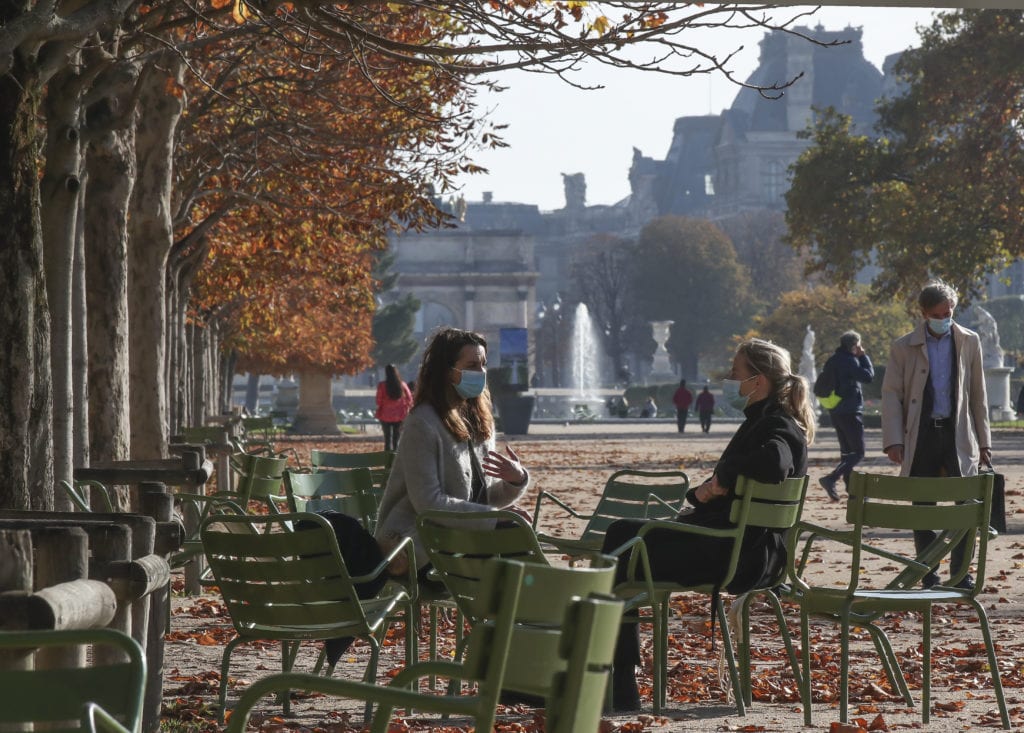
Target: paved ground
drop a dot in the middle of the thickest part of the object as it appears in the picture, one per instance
(573, 461)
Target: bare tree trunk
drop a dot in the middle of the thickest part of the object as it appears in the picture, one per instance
(60, 191)
(111, 163)
(26, 456)
(80, 343)
(151, 238)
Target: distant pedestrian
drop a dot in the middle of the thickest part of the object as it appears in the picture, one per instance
(850, 368)
(650, 409)
(705, 408)
(394, 400)
(682, 399)
(1020, 401)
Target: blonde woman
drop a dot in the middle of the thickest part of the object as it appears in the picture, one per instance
(770, 445)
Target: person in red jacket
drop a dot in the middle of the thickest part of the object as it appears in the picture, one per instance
(705, 408)
(394, 400)
(682, 399)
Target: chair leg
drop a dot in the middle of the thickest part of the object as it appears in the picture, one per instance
(730, 658)
(787, 640)
(926, 667)
(805, 654)
(659, 617)
(289, 650)
(844, 662)
(890, 664)
(225, 665)
(993, 663)
(370, 676)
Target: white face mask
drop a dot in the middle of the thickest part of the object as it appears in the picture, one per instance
(731, 392)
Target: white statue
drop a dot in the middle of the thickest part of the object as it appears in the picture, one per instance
(807, 369)
(988, 331)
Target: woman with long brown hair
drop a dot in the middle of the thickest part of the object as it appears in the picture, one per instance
(446, 459)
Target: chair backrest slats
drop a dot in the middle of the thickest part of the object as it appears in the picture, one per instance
(46, 696)
(546, 593)
(588, 645)
(627, 495)
(954, 507)
(265, 576)
(378, 462)
(350, 492)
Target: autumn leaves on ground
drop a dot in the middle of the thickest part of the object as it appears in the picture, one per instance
(961, 686)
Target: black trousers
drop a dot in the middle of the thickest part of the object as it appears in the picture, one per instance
(681, 416)
(935, 455)
(682, 558)
(391, 430)
(850, 431)
(705, 421)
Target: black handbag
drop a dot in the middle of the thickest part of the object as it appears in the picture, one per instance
(997, 519)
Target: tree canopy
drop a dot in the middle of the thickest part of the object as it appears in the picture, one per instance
(686, 271)
(939, 193)
(831, 310)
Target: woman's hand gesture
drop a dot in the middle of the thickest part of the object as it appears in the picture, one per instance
(506, 467)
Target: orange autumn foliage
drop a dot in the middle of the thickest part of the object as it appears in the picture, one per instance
(311, 159)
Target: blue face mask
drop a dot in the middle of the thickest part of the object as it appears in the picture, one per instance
(731, 392)
(940, 326)
(472, 383)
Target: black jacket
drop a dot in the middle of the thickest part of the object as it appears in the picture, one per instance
(851, 371)
(769, 446)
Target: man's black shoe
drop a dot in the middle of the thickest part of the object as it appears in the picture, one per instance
(967, 583)
(929, 580)
(830, 487)
(509, 697)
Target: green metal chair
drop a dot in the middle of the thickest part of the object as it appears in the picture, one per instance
(449, 536)
(379, 462)
(627, 494)
(958, 508)
(348, 491)
(459, 548)
(57, 699)
(775, 506)
(294, 586)
(84, 493)
(510, 593)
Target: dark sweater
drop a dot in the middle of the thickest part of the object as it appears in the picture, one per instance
(769, 446)
(851, 371)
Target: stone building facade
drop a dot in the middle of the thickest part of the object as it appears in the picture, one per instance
(505, 260)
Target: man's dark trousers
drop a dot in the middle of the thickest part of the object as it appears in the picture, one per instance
(934, 456)
(850, 431)
(681, 416)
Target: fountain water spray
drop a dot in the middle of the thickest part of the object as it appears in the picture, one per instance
(585, 355)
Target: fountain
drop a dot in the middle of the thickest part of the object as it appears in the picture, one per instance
(585, 355)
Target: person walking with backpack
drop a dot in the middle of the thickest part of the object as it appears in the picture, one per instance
(844, 372)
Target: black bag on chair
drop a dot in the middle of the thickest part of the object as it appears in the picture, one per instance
(997, 519)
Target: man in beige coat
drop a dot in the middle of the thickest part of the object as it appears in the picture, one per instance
(934, 406)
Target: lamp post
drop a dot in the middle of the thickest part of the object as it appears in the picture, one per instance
(556, 331)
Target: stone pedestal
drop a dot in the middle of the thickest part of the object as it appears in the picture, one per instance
(661, 366)
(316, 414)
(997, 385)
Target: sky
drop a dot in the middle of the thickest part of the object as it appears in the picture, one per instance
(554, 128)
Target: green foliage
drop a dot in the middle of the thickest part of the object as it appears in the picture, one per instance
(831, 310)
(686, 271)
(392, 331)
(939, 193)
